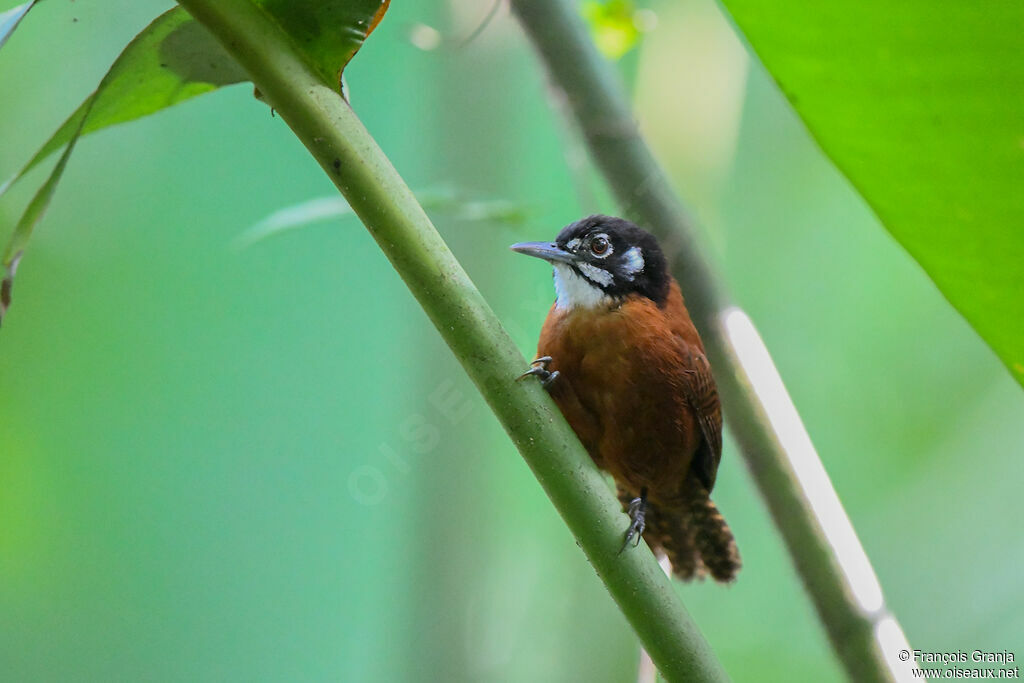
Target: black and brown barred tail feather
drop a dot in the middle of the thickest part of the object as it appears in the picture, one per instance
(713, 538)
(672, 532)
(693, 535)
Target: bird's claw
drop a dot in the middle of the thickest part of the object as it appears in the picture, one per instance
(539, 367)
(637, 513)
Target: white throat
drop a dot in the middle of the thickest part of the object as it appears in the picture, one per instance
(577, 292)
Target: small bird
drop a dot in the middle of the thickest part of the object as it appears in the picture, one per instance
(623, 361)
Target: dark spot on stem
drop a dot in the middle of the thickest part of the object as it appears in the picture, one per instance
(336, 164)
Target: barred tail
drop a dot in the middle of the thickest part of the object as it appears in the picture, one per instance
(672, 531)
(693, 534)
(713, 537)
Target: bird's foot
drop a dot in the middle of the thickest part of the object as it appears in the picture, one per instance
(637, 514)
(539, 367)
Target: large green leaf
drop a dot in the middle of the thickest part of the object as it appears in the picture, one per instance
(921, 104)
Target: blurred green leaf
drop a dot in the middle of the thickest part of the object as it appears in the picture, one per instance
(292, 217)
(614, 24)
(10, 19)
(921, 105)
(327, 33)
(440, 199)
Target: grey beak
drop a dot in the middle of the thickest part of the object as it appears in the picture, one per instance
(545, 250)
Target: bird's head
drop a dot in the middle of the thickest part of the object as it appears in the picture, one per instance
(601, 260)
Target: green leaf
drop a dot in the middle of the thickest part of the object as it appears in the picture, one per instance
(334, 207)
(175, 58)
(10, 19)
(33, 214)
(171, 60)
(921, 104)
(294, 217)
(328, 34)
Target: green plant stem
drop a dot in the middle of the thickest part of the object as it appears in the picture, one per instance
(348, 154)
(602, 111)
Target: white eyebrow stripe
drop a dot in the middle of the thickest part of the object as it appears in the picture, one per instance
(573, 243)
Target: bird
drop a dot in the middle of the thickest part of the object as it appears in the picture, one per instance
(625, 364)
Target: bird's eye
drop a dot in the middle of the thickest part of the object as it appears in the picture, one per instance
(598, 246)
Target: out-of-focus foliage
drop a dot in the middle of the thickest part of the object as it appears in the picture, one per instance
(617, 26)
(444, 202)
(921, 104)
(263, 464)
(614, 25)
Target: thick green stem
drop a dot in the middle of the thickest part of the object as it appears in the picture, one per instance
(338, 141)
(602, 110)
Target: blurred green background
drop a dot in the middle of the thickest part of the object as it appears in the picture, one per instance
(261, 463)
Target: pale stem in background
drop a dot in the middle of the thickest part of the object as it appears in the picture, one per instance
(854, 564)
